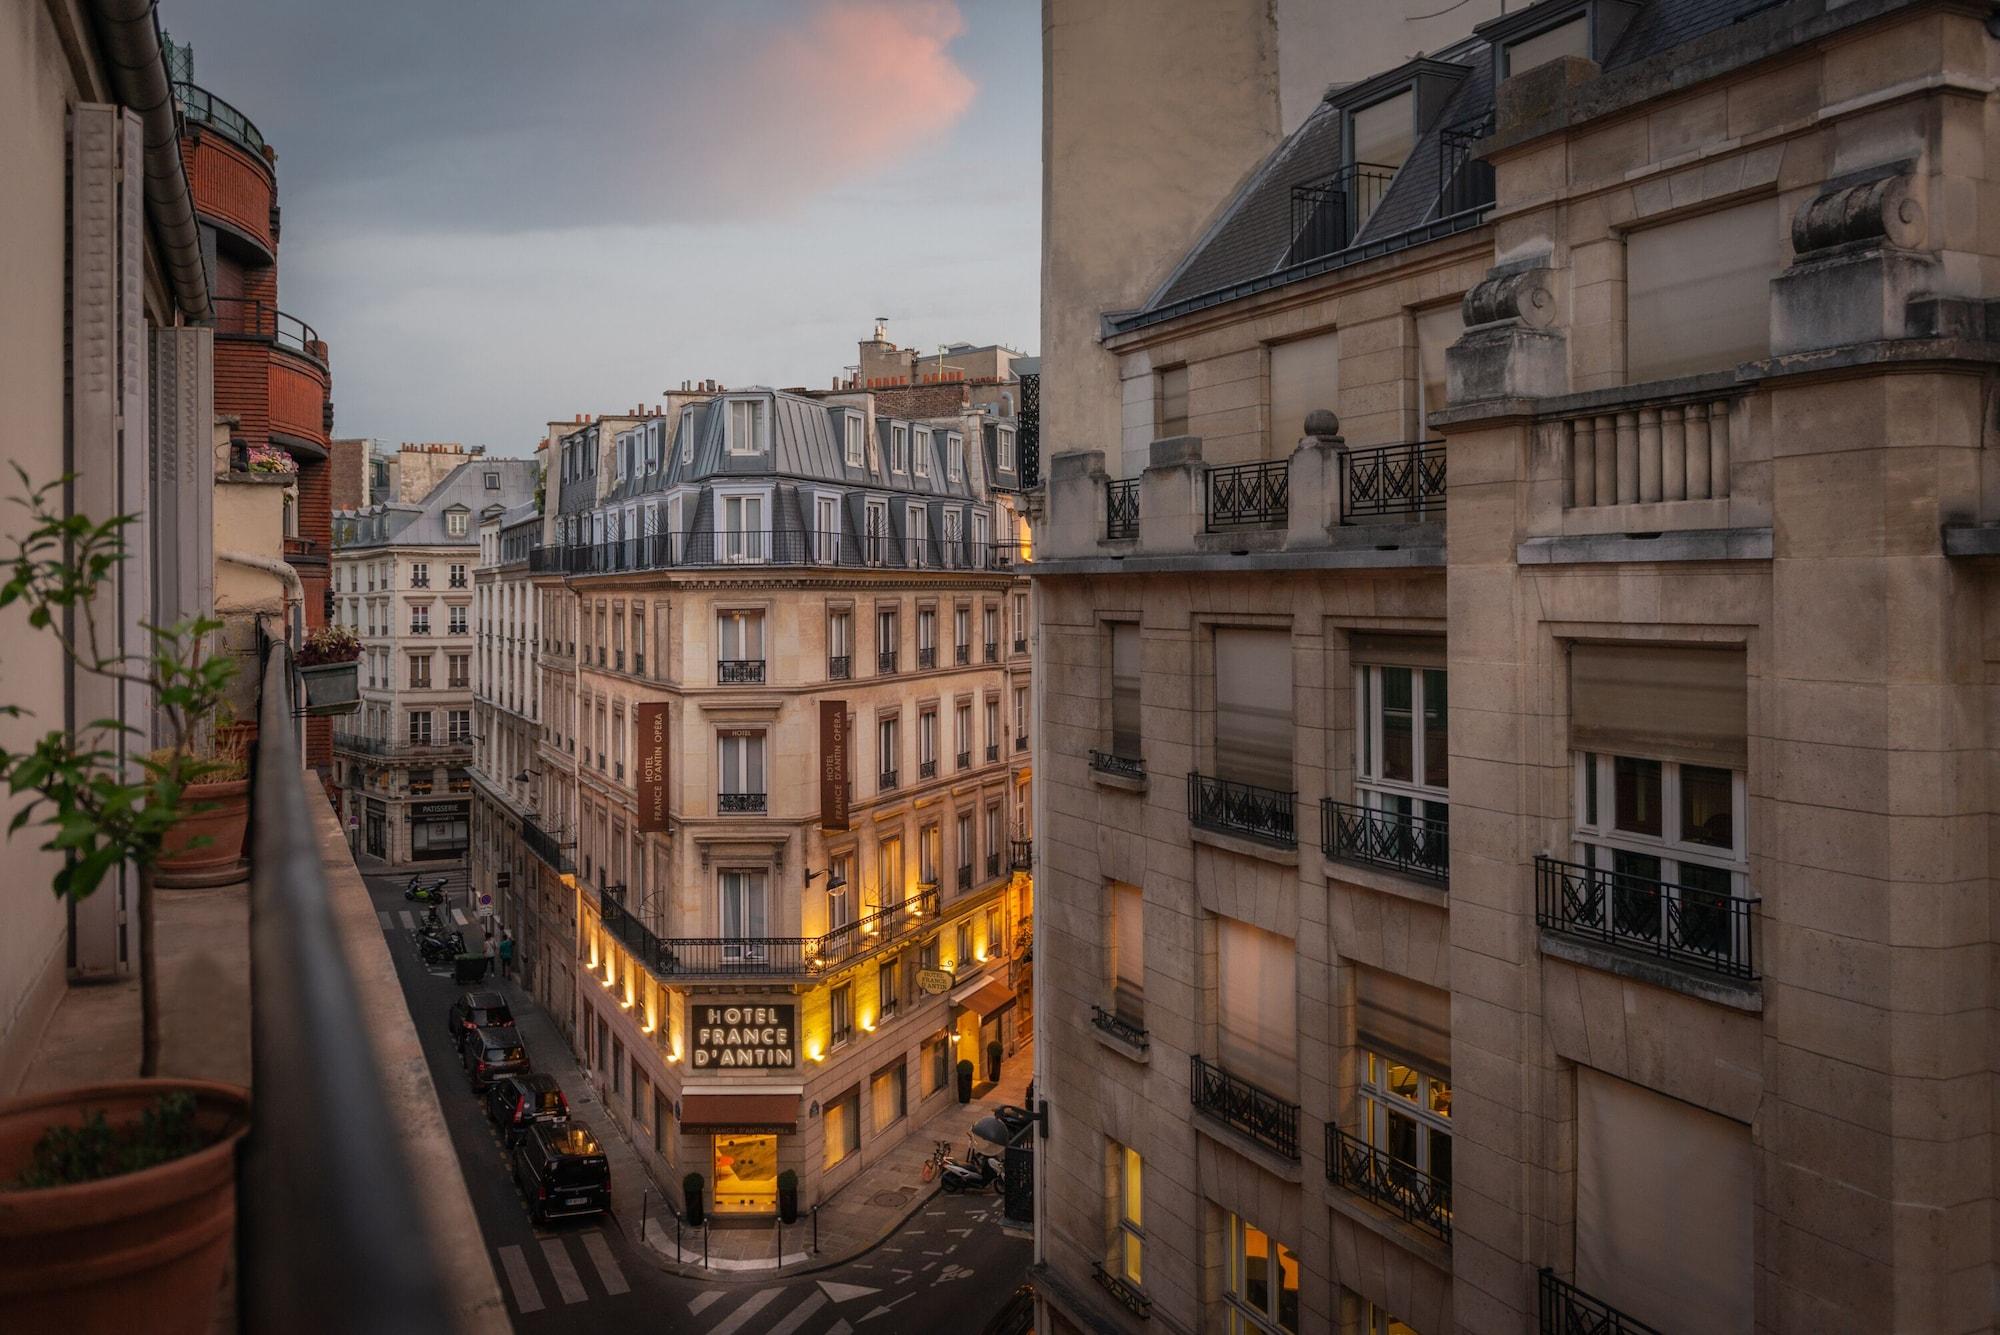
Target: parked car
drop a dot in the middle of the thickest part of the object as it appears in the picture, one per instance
(477, 1010)
(491, 1053)
(517, 1102)
(561, 1172)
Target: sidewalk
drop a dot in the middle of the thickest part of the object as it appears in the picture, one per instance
(852, 1220)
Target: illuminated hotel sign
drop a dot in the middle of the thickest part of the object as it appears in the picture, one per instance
(735, 1038)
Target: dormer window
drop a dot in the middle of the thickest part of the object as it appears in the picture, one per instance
(899, 448)
(746, 426)
(492, 482)
(856, 432)
(1379, 138)
(1570, 37)
(954, 457)
(456, 522)
(922, 463)
(1004, 443)
(1534, 36)
(687, 436)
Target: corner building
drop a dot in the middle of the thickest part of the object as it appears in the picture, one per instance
(1515, 843)
(784, 808)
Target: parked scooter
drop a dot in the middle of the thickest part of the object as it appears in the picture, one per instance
(421, 893)
(437, 949)
(977, 1171)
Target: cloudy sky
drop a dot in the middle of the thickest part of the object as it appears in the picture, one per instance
(503, 212)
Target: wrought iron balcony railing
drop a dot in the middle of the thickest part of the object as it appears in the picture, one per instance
(927, 769)
(1121, 509)
(776, 547)
(885, 662)
(1110, 762)
(547, 846)
(1020, 644)
(839, 667)
(992, 651)
(886, 780)
(1465, 182)
(1120, 1028)
(965, 760)
(1243, 808)
(741, 804)
(992, 864)
(1403, 480)
(739, 671)
(1021, 854)
(1241, 1106)
(1254, 495)
(1567, 1310)
(739, 957)
(992, 752)
(1126, 1293)
(260, 319)
(1397, 1187)
(965, 876)
(1416, 845)
(1020, 741)
(202, 107)
(961, 654)
(1329, 213)
(926, 656)
(1679, 923)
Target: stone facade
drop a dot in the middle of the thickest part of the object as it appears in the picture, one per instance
(1716, 877)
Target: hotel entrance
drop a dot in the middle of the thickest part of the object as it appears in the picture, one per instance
(746, 1174)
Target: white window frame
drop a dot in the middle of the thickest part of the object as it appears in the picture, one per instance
(920, 445)
(743, 897)
(457, 523)
(1129, 1263)
(753, 550)
(854, 440)
(875, 532)
(899, 447)
(954, 456)
(741, 760)
(954, 536)
(1003, 445)
(917, 532)
(686, 433)
(760, 429)
(1381, 1100)
(826, 539)
(1402, 798)
(1245, 1319)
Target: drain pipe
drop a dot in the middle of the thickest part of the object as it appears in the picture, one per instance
(295, 590)
(130, 32)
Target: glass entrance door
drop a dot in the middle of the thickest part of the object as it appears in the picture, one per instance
(746, 1174)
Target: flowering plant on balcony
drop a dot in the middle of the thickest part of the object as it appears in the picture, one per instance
(271, 459)
(329, 644)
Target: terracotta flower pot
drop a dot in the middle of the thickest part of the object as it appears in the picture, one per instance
(220, 860)
(144, 1251)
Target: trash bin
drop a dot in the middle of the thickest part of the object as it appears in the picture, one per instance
(470, 968)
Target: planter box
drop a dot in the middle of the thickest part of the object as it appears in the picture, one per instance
(331, 688)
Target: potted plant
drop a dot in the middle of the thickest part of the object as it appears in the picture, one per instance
(993, 1053)
(270, 459)
(117, 1201)
(788, 1196)
(965, 1080)
(205, 847)
(691, 1202)
(329, 666)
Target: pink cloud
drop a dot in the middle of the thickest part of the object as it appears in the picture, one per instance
(850, 89)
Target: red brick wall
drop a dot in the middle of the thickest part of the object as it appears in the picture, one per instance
(231, 184)
(297, 397)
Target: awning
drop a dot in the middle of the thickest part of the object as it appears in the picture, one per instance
(740, 1112)
(990, 996)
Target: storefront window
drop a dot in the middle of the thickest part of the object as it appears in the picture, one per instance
(746, 1174)
(842, 1120)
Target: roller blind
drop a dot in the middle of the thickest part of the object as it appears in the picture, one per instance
(1404, 1019)
(1660, 701)
(1664, 1193)
(1253, 707)
(1257, 1019)
(1125, 692)
(1128, 946)
(1698, 292)
(1305, 375)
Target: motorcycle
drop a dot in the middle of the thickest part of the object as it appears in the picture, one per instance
(436, 949)
(975, 1172)
(419, 893)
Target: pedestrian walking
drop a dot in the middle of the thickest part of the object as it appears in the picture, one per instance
(506, 954)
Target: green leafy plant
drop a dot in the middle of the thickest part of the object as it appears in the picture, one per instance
(95, 1149)
(693, 1207)
(100, 808)
(330, 644)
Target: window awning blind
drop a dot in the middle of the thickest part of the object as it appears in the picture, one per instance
(1128, 941)
(1400, 1018)
(1253, 707)
(1660, 701)
(1664, 1199)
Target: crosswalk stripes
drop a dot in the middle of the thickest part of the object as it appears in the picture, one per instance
(699, 1303)
(741, 1316)
(387, 921)
(799, 1315)
(458, 916)
(568, 1283)
(409, 920)
(527, 1298)
(606, 1263)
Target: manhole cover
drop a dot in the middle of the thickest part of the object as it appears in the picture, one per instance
(890, 1197)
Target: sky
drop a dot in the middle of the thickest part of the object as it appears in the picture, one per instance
(504, 213)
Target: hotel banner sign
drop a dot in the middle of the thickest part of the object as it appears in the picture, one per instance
(833, 765)
(737, 1038)
(650, 767)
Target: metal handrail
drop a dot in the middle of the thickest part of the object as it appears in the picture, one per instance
(1327, 214)
(770, 547)
(547, 846)
(1418, 845)
(1242, 808)
(1110, 762)
(1681, 923)
(1406, 479)
(739, 671)
(255, 318)
(1253, 495)
(317, 1251)
(1464, 181)
(1241, 1106)
(205, 108)
(741, 804)
(1402, 1188)
(680, 957)
(1564, 1309)
(1021, 854)
(1120, 1028)
(1121, 509)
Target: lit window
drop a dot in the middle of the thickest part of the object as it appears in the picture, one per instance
(1129, 1262)
(1263, 1278)
(1406, 1115)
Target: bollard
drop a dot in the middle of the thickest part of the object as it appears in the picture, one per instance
(704, 1245)
(815, 1214)
(642, 1214)
(781, 1244)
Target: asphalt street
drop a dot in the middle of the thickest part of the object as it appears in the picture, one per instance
(947, 1269)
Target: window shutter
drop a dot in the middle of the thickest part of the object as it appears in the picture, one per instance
(1253, 707)
(1125, 732)
(1403, 1019)
(1664, 702)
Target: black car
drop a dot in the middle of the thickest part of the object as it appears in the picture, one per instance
(517, 1102)
(489, 1054)
(477, 1010)
(561, 1172)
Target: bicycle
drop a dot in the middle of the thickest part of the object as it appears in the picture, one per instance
(939, 1158)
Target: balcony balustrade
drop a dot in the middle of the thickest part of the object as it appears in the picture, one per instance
(1399, 481)
(926, 656)
(682, 958)
(992, 651)
(885, 781)
(741, 804)
(1679, 923)
(992, 752)
(1021, 854)
(1242, 808)
(961, 654)
(992, 865)
(965, 760)
(927, 769)
(1671, 449)
(1243, 1107)
(1110, 762)
(1020, 644)
(839, 667)
(1329, 213)
(1412, 844)
(1126, 1293)
(1020, 742)
(1564, 1309)
(965, 876)
(1120, 1028)
(885, 663)
(1121, 509)
(781, 547)
(1397, 1187)
(202, 107)
(1253, 495)
(547, 846)
(739, 671)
